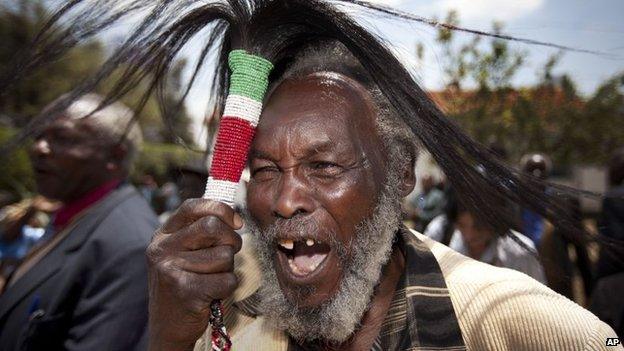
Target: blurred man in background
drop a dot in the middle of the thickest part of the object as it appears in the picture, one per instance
(464, 232)
(84, 287)
(607, 302)
(551, 240)
(611, 224)
(533, 224)
(190, 183)
(428, 204)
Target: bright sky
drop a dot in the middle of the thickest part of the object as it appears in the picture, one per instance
(595, 25)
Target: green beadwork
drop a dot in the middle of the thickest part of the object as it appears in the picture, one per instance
(250, 75)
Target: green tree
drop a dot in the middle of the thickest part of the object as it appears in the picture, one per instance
(603, 120)
(549, 116)
(16, 176)
(19, 22)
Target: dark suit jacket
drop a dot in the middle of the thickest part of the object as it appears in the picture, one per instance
(90, 291)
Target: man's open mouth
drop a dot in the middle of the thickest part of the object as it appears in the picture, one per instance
(304, 256)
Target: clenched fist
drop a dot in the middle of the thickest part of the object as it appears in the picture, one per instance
(191, 263)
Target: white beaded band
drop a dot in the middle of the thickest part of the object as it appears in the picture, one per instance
(243, 108)
(221, 190)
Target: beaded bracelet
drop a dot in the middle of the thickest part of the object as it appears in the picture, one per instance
(249, 81)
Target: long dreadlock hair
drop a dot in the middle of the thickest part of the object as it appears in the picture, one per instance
(278, 30)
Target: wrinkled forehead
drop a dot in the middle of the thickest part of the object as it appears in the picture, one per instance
(325, 107)
(75, 116)
(79, 129)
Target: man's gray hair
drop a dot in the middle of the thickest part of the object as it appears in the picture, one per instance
(401, 145)
(115, 121)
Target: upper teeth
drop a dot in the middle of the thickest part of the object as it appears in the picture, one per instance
(287, 244)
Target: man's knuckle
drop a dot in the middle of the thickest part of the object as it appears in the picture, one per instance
(209, 225)
(225, 255)
(184, 208)
(153, 252)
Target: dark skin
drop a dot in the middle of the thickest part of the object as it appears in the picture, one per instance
(316, 153)
(70, 158)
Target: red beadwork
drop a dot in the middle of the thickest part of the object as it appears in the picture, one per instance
(230, 153)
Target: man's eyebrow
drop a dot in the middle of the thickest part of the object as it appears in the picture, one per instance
(258, 154)
(53, 129)
(316, 148)
(320, 147)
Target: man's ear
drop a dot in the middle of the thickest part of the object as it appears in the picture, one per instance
(408, 178)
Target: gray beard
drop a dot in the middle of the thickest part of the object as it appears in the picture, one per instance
(335, 320)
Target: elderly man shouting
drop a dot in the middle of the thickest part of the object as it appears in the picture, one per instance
(328, 264)
(85, 286)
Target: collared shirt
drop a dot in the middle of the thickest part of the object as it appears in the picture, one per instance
(421, 314)
(503, 251)
(66, 213)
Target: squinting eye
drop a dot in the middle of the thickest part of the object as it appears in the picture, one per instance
(326, 169)
(264, 173)
(323, 165)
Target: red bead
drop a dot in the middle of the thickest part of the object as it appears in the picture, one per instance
(230, 154)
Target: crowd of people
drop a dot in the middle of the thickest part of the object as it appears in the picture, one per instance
(122, 224)
(318, 255)
(535, 246)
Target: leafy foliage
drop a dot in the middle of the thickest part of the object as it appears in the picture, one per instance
(17, 176)
(20, 21)
(550, 116)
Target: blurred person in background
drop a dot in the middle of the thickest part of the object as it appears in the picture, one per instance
(22, 225)
(85, 287)
(428, 204)
(190, 180)
(442, 227)
(330, 164)
(611, 224)
(550, 239)
(532, 224)
(168, 196)
(559, 264)
(607, 302)
(466, 233)
(148, 188)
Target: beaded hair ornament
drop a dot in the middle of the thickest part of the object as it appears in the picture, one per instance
(249, 81)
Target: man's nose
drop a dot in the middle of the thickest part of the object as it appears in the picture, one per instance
(41, 147)
(293, 198)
